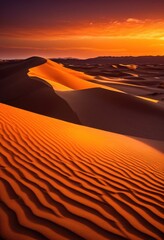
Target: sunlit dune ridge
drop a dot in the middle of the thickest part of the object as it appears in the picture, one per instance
(56, 73)
(65, 78)
(129, 66)
(64, 181)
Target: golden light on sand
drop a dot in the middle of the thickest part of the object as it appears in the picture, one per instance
(63, 173)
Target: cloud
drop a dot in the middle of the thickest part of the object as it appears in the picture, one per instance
(134, 20)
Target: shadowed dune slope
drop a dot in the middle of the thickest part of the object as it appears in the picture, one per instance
(133, 89)
(33, 94)
(64, 181)
(117, 112)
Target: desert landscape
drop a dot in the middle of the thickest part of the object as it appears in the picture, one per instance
(81, 149)
(82, 120)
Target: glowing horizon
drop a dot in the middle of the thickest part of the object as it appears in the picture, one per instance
(82, 37)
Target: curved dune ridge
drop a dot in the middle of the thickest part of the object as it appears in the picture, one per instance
(64, 181)
(101, 106)
(129, 66)
(56, 73)
(125, 66)
(32, 94)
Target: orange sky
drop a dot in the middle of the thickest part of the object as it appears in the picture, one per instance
(81, 36)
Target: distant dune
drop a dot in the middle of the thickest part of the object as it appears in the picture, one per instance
(81, 155)
(113, 60)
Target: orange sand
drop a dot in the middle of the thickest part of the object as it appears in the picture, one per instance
(64, 181)
(71, 79)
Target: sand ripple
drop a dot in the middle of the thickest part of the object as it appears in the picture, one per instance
(64, 181)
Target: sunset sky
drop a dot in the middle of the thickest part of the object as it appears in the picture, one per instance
(81, 28)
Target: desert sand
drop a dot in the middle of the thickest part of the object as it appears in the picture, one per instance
(81, 158)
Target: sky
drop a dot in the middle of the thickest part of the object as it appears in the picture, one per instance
(81, 28)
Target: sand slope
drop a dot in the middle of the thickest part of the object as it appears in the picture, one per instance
(117, 112)
(64, 181)
(33, 94)
(132, 89)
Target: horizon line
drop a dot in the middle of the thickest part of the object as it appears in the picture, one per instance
(100, 56)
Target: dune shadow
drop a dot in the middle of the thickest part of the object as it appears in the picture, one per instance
(32, 94)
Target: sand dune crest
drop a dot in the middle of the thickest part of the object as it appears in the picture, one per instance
(33, 94)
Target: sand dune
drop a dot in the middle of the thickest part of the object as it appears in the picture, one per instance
(33, 94)
(64, 181)
(57, 73)
(117, 112)
(69, 78)
(82, 101)
(104, 107)
(132, 88)
(65, 79)
(139, 73)
(129, 66)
